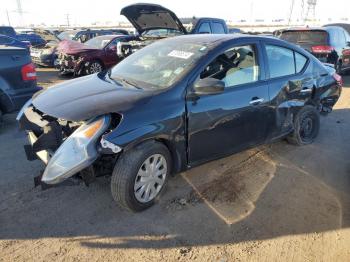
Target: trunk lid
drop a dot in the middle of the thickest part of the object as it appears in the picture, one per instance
(150, 16)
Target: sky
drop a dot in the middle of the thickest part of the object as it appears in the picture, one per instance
(84, 12)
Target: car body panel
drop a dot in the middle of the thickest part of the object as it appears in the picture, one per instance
(14, 91)
(151, 16)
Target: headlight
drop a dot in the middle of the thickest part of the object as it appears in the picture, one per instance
(77, 152)
(47, 51)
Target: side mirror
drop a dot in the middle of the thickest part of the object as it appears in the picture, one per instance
(209, 86)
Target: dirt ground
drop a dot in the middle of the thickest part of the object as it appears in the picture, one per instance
(277, 202)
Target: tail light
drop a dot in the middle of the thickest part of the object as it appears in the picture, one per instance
(28, 72)
(324, 49)
(338, 78)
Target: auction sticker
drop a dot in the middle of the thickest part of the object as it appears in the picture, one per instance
(180, 54)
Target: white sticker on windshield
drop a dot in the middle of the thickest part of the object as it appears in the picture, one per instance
(180, 54)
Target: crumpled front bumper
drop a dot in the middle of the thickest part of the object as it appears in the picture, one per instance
(64, 155)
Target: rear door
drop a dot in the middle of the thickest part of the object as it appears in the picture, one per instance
(237, 118)
(291, 83)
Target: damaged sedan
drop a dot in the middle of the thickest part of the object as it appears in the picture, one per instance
(93, 56)
(173, 105)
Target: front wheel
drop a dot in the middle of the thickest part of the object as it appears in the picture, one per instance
(140, 175)
(306, 126)
(94, 67)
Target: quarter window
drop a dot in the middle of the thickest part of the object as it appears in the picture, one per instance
(236, 66)
(300, 62)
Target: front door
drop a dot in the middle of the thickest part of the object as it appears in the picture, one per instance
(235, 119)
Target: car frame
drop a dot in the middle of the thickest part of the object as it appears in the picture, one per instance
(140, 135)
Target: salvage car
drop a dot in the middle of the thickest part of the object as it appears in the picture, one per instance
(47, 55)
(173, 105)
(154, 22)
(91, 57)
(330, 44)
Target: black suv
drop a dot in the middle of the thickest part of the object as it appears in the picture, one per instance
(330, 44)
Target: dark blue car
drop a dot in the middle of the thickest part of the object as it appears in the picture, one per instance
(173, 105)
(10, 41)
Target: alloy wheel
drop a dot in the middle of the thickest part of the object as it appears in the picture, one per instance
(95, 67)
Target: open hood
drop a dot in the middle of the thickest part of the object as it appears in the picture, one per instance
(71, 47)
(150, 16)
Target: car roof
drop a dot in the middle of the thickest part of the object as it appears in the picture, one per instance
(110, 37)
(216, 38)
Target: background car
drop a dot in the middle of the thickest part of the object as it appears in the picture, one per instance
(93, 56)
(17, 78)
(10, 41)
(330, 44)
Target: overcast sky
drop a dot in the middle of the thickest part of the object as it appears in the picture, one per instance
(83, 12)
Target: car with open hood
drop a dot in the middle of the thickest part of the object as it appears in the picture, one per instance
(154, 22)
(173, 105)
(93, 56)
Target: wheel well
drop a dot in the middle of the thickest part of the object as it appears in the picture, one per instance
(100, 61)
(175, 155)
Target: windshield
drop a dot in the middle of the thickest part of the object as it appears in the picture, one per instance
(161, 33)
(98, 42)
(160, 64)
(306, 36)
(68, 35)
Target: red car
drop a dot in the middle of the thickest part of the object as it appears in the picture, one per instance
(93, 56)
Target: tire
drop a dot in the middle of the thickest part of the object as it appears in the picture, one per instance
(306, 126)
(94, 67)
(126, 176)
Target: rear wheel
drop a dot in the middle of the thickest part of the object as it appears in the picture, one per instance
(94, 67)
(306, 126)
(140, 175)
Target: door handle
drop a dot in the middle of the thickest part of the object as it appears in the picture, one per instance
(256, 101)
(306, 90)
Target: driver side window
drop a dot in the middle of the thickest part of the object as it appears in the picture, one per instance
(236, 66)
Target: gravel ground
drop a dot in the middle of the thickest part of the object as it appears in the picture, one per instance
(273, 203)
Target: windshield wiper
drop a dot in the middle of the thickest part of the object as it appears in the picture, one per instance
(121, 81)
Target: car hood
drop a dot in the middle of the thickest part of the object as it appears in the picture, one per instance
(150, 16)
(87, 97)
(72, 47)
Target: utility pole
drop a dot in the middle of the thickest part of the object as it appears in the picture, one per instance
(311, 10)
(67, 19)
(20, 11)
(291, 12)
(8, 17)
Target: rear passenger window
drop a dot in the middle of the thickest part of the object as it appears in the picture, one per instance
(300, 62)
(281, 61)
(217, 28)
(204, 28)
